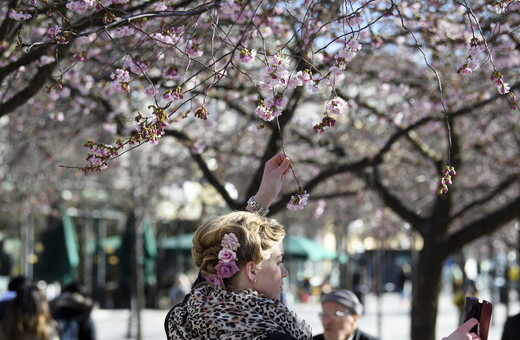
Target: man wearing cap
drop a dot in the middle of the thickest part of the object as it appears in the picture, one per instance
(340, 315)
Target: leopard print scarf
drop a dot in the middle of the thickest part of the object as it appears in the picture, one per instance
(212, 312)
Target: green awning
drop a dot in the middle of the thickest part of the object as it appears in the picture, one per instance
(71, 241)
(300, 246)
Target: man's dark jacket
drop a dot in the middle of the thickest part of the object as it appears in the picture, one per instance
(512, 328)
(358, 335)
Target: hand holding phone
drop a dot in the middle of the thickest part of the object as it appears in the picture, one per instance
(480, 311)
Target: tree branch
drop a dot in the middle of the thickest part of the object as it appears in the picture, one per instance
(483, 226)
(394, 203)
(498, 190)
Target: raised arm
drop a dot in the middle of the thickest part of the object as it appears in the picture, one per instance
(275, 170)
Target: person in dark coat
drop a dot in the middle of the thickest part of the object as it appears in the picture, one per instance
(16, 284)
(72, 310)
(340, 315)
(512, 328)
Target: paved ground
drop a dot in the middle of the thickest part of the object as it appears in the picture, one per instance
(394, 321)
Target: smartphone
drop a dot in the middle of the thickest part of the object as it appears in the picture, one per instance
(480, 311)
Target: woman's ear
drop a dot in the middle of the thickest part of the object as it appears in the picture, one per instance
(250, 271)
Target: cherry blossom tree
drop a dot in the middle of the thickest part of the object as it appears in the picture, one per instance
(407, 99)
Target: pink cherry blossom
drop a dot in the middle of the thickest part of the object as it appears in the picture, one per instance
(503, 88)
(497, 78)
(173, 94)
(53, 31)
(150, 90)
(247, 56)
(298, 200)
(337, 106)
(267, 110)
(77, 6)
(171, 72)
(120, 79)
(19, 16)
(122, 32)
(136, 65)
(464, 69)
(473, 64)
(193, 49)
(276, 74)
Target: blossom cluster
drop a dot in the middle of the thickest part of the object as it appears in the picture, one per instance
(202, 113)
(445, 180)
(298, 200)
(120, 81)
(270, 108)
(335, 106)
(150, 128)
(301, 78)
(276, 73)
(247, 56)
(19, 15)
(276, 76)
(498, 79)
(471, 63)
(227, 265)
(501, 6)
(173, 94)
(344, 56)
(193, 48)
(100, 155)
(84, 5)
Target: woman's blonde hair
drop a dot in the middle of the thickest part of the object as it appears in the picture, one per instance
(256, 234)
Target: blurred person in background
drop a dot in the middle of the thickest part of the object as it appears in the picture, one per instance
(340, 316)
(360, 282)
(15, 284)
(177, 290)
(28, 317)
(72, 310)
(512, 328)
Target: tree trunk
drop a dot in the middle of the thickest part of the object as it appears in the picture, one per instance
(426, 289)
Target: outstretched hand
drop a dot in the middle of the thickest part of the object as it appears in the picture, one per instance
(275, 170)
(463, 332)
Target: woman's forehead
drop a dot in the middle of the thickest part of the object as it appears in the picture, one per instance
(277, 249)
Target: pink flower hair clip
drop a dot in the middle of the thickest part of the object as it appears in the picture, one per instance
(227, 265)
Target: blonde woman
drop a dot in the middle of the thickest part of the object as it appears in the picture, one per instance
(240, 255)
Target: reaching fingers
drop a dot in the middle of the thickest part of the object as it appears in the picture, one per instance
(463, 332)
(279, 162)
(468, 325)
(286, 165)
